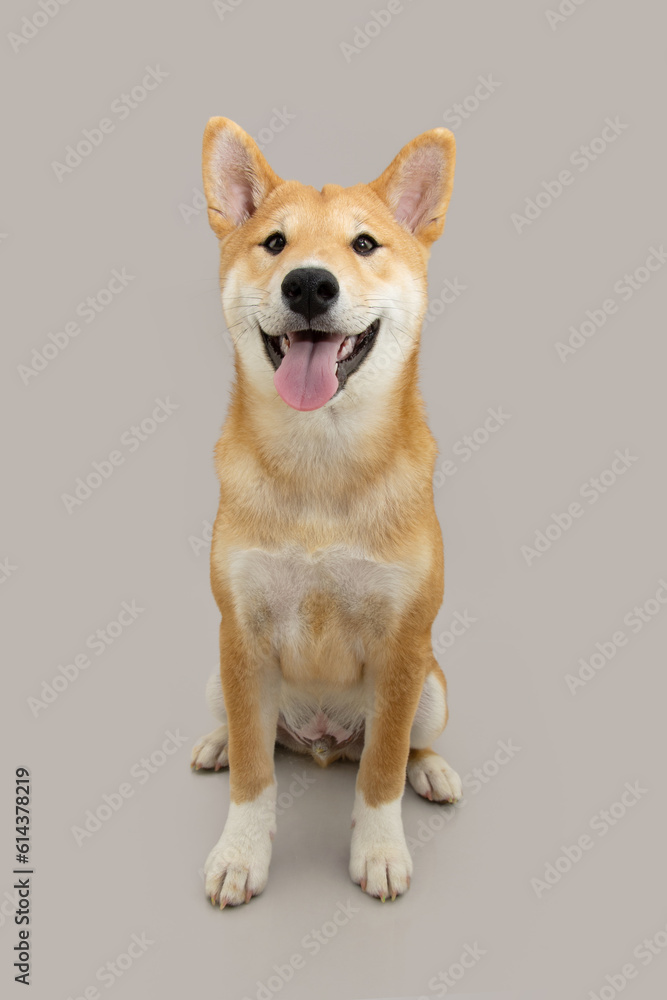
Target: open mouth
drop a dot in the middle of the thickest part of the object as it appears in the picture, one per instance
(312, 366)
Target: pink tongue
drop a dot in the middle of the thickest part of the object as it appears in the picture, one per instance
(306, 378)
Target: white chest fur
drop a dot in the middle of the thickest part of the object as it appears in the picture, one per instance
(303, 599)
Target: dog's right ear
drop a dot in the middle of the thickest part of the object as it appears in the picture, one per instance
(237, 178)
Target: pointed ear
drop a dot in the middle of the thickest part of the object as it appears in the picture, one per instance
(417, 184)
(237, 178)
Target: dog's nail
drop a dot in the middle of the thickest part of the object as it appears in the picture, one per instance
(393, 896)
(382, 898)
(223, 903)
(248, 896)
(363, 884)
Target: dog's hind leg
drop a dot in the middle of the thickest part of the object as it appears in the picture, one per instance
(430, 775)
(211, 750)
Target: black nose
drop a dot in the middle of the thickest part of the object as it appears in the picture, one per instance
(309, 291)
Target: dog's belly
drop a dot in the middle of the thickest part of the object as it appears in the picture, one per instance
(322, 613)
(327, 723)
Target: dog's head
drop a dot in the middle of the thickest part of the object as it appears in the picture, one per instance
(322, 287)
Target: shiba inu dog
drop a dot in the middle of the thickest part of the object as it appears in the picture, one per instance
(326, 560)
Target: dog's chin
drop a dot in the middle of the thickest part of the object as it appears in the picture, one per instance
(354, 350)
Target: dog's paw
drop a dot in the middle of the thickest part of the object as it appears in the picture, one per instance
(380, 861)
(236, 870)
(433, 778)
(238, 866)
(382, 869)
(211, 751)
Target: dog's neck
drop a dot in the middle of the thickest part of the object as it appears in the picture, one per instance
(361, 468)
(357, 434)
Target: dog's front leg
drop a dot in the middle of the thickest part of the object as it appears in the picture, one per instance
(238, 866)
(380, 861)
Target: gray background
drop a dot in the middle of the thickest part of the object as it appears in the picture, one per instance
(164, 336)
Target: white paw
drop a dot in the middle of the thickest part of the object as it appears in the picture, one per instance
(433, 778)
(238, 866)
(211, 750)
(380, 861)
(236, 870)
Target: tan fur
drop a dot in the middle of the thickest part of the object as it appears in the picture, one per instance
(356, 473)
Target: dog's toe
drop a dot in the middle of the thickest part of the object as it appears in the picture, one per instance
(380, 861)
(384, 872)
(233, 884)
(211, 751)
(237, 870)
(433, 779)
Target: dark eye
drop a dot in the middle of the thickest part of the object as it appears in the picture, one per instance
(275, 242)
(364, 244)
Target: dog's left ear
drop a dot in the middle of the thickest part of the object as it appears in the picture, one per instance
(237, 178)
(417, 184)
